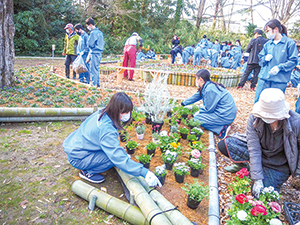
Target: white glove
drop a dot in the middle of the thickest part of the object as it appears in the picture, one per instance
(81, 53)
(274, 70)
(268, 57)
(298, 88)
(257, 187)
(152, 180)
(88, 58)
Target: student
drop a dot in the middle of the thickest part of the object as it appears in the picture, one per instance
(218, 110)
(225, 61)
(277, 59)
(175, 41)
(151, 54)
(186, 53)
(198, 54)
(175, 51)
(94, 147)
(271, 145)
(217, 46)
(213, 56)
(237, 55)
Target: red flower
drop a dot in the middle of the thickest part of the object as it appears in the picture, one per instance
(242, 172)
(241, 198)
(275, 207)
(258, 209)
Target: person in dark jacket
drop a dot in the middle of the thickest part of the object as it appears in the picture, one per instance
(272, 143)
(175, 51)
(254, 47)
(175, 41)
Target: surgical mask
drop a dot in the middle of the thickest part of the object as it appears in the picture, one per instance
(67, 31)
(268, 121)
(89, 28)
(237, 44)
(125, 117)
(197, 84)
(270, 35)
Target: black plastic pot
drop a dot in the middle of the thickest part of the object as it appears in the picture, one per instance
(184, 136)
(146, 165)
(162, 179)
(169, 114)
(192, 203)
(151, 152)
(148, 118)
(156, 127)
(194, 172)
(199, 136)
(130, 151)
(184, 116)
(169, 166)
(123, 138)
(179, 178)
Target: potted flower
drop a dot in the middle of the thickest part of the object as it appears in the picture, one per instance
(148, 118)
(123, 136)
(192, 138)
(131, 146)
(180, 169)
(169, 158)
(174, 137)
(155, 138)
(197, 131)
(140, 130)
(196, 192)
(241, 184)
(198, 145)
(184, 132)
(196, 166)
(151, 148)
(194, 123)
(161, 172)
(144, 159)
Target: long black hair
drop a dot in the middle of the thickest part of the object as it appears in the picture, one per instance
(119, 103)
(275, 23)
(205, 75)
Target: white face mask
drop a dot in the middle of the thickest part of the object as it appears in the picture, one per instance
(125, 117)
(268, 121)
(67, 31)
(197, 84)
(89, 28)
(270, 35)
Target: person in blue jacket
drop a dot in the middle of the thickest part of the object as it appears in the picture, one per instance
(209, 43)
(277, 59)
(186, 53)
(224, 46)
(94, 147)
(204, 46)
(140, 56)
(96, 47)
(198, 54)
(216, 46)
(219, 109)
(83, 50)
(237, 55)
(225, 61)
(151, 54)
(213, 56)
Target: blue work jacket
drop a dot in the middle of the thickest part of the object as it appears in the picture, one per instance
(96, 41)
(101, 135)
(285, 56)
(209, 44)
(216, 47)
(225, 62)
(189, 50)
(82, 43)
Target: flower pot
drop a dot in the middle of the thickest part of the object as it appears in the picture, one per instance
(151, 152)
(155, 141)
(169, 114)
(191, 142)
(162, 179)
(123, 138)
(148, 120)
(183, 136)
(179, 121)
(169, 166)
(201, 171)
(179, 178)
(184, 116)
(130, 151)
(146, 165)
(198, 136)
(140, 136)
(195, 173)
(156, 127)
(192, 203)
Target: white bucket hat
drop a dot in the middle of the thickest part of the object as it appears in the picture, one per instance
(271, 105)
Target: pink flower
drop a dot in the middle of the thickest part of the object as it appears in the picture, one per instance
(250, 197)
(275, 207)
(196, 153)
(254, 203)
(241, 198)
(258, 209)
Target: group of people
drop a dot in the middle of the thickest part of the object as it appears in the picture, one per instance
(90, 47)
(271, 143)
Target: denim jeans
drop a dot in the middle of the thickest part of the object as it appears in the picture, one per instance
(238, 151)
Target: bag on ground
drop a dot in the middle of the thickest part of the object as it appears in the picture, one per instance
(79, 65)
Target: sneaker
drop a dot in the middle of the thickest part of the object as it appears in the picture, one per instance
(239, 87)
(252, 88)
(93, 178)
(224, 132)
(236, 167)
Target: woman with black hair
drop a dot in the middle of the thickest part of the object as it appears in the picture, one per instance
(94, 147)
(277, 59)
(218, 110)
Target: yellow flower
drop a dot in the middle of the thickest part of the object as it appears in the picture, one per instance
(174, 145)
(194, 142)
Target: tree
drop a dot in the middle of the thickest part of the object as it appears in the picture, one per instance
(178, 11)
(7, 53)
(215, 15)
(200, 13)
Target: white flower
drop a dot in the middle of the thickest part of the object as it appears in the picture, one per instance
(271, 189)
(242, 215)
(167, 152)
(275, 221)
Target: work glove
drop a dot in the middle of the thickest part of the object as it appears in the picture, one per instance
(298, 88)
(268, 57)
(88, 58)
(257, 187)
(81, 53)
(152, 180)
(274, 70)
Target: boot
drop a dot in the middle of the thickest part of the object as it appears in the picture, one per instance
(236, 167)
(68, 73)
(74, 75)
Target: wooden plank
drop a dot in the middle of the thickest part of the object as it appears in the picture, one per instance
(120, 75)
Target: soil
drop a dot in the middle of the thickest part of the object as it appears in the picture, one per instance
(36, 176)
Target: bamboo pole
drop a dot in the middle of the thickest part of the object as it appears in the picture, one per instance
(143, 200)
(174, 215)
(109, 203)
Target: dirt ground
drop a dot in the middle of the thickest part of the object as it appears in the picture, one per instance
(36, 176)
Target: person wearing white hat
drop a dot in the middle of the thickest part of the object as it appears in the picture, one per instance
(272, 142)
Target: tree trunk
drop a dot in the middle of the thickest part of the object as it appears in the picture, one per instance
(251, 11)
(178, 11)
(230, 15)
(223, 18)
(216, 13)
(200, 13)
(7, 51)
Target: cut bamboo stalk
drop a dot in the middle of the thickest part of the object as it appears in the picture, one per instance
(143, 200)
(176, 217)
(109, 203)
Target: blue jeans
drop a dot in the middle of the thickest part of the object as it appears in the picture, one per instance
(263, 84)
(238, 151)
(94, 67)
(85, 75)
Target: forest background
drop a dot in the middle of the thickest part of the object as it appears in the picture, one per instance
(39, 24)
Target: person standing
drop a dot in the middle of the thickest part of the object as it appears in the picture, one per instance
(83, 50)
(129, 53)
(70, 46)
(175, 41)
(219, 109)
(254, 47)
(237, 55)
(277, 59)
(175, 51)
(96, 47)
(216, 46)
